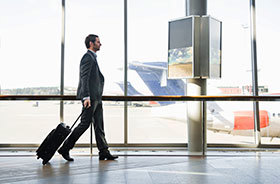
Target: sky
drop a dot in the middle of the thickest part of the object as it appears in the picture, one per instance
(30, 39)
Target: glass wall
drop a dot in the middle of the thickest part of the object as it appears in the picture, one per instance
(157, 123)
(105, 19)
(268, 58)
(153, 122)
(113, 113)
(30, 59)
(230, 123)
(27, 122)
(236, 73)
(30, 33)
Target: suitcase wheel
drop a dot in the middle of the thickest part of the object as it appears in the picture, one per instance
(44, 162)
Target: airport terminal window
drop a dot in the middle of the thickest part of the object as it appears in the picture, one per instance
(30, 34)
(104, 18)
(153, 122)
(268, 59)
(30, 41)
(30, 47)
(224, 117)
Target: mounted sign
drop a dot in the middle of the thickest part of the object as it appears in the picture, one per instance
(194, 47)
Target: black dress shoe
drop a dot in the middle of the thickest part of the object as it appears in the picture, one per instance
(106, 155)
(65, 155)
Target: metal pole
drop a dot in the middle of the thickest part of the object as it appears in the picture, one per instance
(257, 132)
(62, 60)
(196, 7)
(91, 138)
(125, 74)
(196, 119)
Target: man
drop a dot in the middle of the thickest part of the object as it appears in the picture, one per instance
(90, 91)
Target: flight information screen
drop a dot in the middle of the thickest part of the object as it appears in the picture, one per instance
(180, 48)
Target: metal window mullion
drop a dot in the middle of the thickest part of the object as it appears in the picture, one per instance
(125, 74)
(254, 71)
(62, 60)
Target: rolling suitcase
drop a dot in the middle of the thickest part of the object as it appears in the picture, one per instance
(54, 139)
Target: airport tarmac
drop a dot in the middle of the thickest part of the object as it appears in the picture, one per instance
(28, 122)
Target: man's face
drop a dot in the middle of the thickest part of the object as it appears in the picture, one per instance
(96, 45)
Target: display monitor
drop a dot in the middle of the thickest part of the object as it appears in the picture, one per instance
(180, 48)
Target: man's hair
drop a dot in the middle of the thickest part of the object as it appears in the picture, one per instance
(90, 38)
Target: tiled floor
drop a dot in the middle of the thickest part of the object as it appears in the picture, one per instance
(216, 167)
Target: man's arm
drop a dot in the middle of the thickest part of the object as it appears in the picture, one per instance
(85, 69)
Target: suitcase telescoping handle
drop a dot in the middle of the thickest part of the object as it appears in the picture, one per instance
(78, 118)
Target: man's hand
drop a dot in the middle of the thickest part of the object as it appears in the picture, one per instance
(87, 103)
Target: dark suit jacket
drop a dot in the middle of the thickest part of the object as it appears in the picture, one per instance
(91, 81)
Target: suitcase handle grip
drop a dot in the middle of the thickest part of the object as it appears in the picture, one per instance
(78, 118)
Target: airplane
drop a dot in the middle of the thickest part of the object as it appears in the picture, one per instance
(150, 78)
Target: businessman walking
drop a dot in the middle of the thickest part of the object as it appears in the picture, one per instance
(90, 91)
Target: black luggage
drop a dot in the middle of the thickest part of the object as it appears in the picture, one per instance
(52, 142)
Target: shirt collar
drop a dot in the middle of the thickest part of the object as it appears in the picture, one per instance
(93, 53)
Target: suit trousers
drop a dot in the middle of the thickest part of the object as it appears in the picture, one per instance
(93, 114)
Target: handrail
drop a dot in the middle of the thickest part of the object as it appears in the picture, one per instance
(144, 98)
(139, 98)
